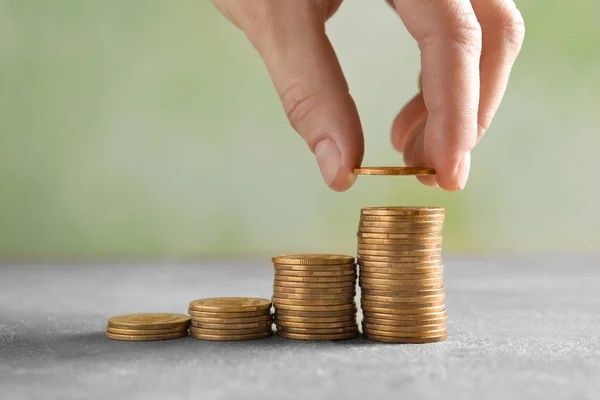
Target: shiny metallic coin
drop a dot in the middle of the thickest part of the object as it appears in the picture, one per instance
(226, 338)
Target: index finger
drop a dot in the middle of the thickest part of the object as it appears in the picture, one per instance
(449, 38)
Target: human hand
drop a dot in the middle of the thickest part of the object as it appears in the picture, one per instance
(467, 48)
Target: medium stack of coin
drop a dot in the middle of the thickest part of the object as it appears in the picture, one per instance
(401, 274)
(313, 296)
(231, 318)
(142, 327)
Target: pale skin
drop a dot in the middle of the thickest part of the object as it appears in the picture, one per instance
(468, 48)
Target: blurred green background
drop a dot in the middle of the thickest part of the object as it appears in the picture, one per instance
(150, 129)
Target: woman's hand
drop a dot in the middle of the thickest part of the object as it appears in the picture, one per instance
(467, 52)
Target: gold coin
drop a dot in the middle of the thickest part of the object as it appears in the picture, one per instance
(315, 279)
(369, 286)
(250, 325)
(403, 282)
(434, 237)
(300, 336)
(420, 255)
(409, 311)
(403, 218)
(246, 314)
(417, 329)
(400, 294)
(393, 322)
(278, 301)
(133, 332)
(227, 332)
(399, 259)
(230, 304)
(346, 318)
(424, 334)
(391, 339)
(399, 251)
(314, 325)
(133, 338)
(149, 321)
(226, 338)
(401, 277)
(313, 259)
(394, 171)
(304, 296)
(411, 231)
(401, 270)
(314, 285)
(341, 307)
(315, 268)
(344, 291)
(403, 210)
(402, 299)
(434, 242)
(314, 331)
(343, 272)
(237, 320)
(420, 304)
(406, 248)
(398, 246)
(435, 218)
(367, 255)
(429, 226)
(315, 314)
(408, 317)
(400, 267)
(390, 231)
(418, 248)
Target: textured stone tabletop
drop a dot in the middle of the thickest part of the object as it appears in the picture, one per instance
(518, 328)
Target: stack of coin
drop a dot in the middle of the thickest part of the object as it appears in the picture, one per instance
(313, 296)
(138, 327)
(231, 318)
(401, 274)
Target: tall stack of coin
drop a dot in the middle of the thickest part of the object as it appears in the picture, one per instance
(313, 296)
(142, 327)
(231, 318)
(401, 274)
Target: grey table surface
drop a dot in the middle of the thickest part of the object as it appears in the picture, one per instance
(518, 328)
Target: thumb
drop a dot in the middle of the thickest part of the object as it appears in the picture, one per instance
(313, 90)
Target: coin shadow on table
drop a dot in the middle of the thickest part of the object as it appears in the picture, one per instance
(276, 343)
(82, 346)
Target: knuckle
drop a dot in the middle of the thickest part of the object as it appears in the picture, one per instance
(482, 127)
(485, 116)
(268, 20)
(467, 33)
(298, 103)
(252, 15)
(462, 29)
(513, 27)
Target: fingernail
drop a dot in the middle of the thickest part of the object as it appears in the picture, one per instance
(329, 160)
(463, 170)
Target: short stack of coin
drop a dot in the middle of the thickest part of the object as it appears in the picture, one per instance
(401, 274)
(231, 318)
(143, 327)
(313, 296)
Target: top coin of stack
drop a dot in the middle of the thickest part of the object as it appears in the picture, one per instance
(139, 327)
(401, 274)
(231, 318)
(313, 296)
